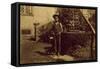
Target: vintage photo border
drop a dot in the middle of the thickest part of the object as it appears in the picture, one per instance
(50, 5)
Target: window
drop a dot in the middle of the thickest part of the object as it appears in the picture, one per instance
(26, 10)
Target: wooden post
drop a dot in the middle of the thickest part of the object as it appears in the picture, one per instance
(92, 43)
(35, 29)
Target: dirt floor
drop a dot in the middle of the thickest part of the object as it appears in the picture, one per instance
(30, 52)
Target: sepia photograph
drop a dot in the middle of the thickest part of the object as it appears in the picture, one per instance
(57, 34)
